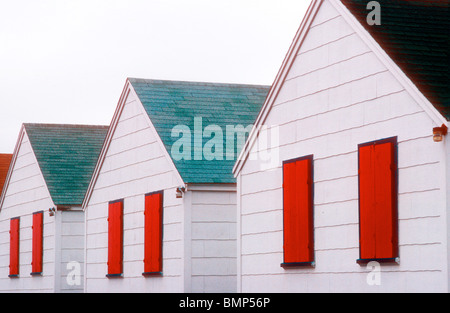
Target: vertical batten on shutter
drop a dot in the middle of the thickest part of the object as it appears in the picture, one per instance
(115, 239)
(378, 200)
(153, 234)
(298, 216)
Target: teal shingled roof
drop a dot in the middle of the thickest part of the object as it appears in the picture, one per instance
(171, 103)
(67, 155)
(416, 35)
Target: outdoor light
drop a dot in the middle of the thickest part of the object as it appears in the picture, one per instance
(51, 211)
(180, 191)
(439, 133)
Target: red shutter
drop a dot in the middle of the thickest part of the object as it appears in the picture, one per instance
(378, 200)
(115, 239)
(14, 247)
(37, 242)
(153, 233)
(298, 211)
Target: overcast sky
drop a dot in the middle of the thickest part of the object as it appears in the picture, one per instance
(66, 61)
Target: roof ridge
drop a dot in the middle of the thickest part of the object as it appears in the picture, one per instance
(65, 125)
(199, 83)
(216, 103)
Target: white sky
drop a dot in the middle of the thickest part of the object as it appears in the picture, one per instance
(66, 61)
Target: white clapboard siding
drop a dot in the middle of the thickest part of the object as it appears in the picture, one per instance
(27, 193)
(71, 250)
(213, 241)
(134, 165)
(338, 94)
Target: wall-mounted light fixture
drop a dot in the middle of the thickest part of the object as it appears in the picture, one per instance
(51, 211)
(180, 191)
(439, 133)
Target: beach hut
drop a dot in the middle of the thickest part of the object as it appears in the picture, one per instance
(161, 206)
(41, 220)
(343, 184)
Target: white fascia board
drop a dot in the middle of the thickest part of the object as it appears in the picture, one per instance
(11, 165)
(22, 134)
(160, 142)
(278, 83)
(393, 68)
(106, 144)
(127, 90)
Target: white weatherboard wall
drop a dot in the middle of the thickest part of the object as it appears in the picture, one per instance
(338, 95)
(70, 247)
(213, 240)
(134, 166)
(27, 193)
(199, 229)
(63, 242)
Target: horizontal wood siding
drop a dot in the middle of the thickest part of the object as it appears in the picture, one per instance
(26, 194)
(213, 241)
(134, 166)
(72, 251)
(338, 95)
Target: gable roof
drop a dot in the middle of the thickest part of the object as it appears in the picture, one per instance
(172, 103)
(5, 161)
(67, 155)
(416, 35)
(437, 112)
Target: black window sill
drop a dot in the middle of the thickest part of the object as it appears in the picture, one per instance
(298, 265)
(114, 275)
(36, 274)
(155, 274)
(14, 276)
(389, 261)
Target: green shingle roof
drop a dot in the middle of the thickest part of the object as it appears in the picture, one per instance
(416, 35)
(67, 155)
(170, 104)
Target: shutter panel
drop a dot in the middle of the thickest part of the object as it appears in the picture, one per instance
(367, 202)
(378, 200)
(14, 247)
(298, 211)
(115, 239)
(288, 212)
(386, 199)
(37, 242)
(153, 233)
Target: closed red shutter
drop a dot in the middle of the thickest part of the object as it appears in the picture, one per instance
(115, 239)
(298, 211)
(378, 200)
(153, 233)
(37, 242)
(14, 247)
